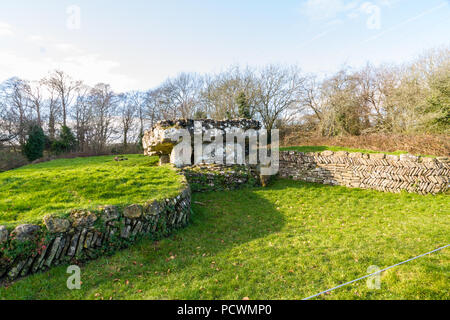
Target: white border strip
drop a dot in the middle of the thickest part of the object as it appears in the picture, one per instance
(372, 274)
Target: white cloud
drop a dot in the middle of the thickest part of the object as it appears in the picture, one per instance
(32, 64)
(11, 64)
(92, 68)
(6, 30)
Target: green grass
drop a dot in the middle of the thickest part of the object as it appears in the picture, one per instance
(288, 241)
(335, 149)
(29, 193)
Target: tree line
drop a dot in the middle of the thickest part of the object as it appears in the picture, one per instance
(408, 98)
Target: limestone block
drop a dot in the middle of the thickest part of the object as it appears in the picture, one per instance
(133, 212)
(26, 232)
(55, 224)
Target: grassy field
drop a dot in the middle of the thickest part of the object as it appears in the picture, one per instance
(288, 241)
(335, 149)
(30, 192)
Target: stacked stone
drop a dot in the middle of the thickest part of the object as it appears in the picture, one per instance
(204, 178)
(85, 235)
(209, 124)
(381, 172)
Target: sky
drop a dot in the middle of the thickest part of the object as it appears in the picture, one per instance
(137, 44)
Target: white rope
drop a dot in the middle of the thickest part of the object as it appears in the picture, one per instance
(372, 274)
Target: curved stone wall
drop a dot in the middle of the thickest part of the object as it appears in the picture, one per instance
(370, 171)
(86, 235)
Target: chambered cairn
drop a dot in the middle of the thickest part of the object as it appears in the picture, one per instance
(203, 152)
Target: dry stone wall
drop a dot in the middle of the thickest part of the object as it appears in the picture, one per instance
(381, 172)
(205, 178)
(86, 235)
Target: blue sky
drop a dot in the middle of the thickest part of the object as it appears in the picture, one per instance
(136, 44)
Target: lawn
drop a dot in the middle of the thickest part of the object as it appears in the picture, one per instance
(335, 149)
(288, 241)
(29, 193)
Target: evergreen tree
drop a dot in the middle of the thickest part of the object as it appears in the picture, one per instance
(34, 147)
(66, 142)
(140, 144)
(243, 106)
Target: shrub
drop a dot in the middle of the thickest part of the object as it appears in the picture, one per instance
(200, 115)
(34, 147)
(66, 142)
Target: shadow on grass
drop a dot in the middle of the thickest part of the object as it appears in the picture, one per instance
(220, 222)
(290, 240)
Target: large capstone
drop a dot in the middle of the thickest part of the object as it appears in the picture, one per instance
(166, 135)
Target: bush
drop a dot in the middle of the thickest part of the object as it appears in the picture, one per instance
(34, 147)
(200, 115)
(66, 142)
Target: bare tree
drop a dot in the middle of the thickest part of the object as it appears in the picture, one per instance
(7, 129)
(278, 92)
(33, 90)
(310, 97)
(221, 92)
(139, 100)
(179, 96)
(17, 115)
(83, 117)
(103, 101)
(65, 86)
(161, 101)
(128, 111)
(51, 108)
(152, 110)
